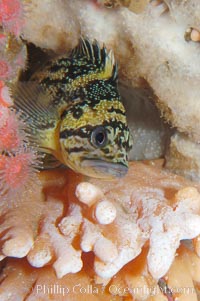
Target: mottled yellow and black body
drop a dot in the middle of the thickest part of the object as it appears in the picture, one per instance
(75, 111)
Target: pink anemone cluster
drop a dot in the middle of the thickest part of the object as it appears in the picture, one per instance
(16, 157)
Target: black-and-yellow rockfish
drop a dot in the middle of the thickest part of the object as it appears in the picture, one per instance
(74, 111)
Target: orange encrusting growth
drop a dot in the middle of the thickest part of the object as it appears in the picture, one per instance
(69, 244)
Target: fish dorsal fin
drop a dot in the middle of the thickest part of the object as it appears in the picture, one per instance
(37, 58)
(104, 60)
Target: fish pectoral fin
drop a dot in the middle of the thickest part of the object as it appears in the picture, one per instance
(36, 109)
(32, 99)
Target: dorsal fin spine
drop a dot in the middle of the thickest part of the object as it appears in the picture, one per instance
(99, 56)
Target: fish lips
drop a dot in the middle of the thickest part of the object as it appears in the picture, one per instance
(103, 169)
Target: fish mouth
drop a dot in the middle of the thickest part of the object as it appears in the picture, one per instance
(103, 169)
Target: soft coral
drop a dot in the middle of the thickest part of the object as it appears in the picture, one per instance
(17, 158)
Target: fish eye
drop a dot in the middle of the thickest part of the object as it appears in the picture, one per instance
(99, 137)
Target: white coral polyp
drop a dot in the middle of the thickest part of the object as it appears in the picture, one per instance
(88, 193)
(105, 212)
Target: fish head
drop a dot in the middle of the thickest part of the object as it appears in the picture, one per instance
(95, 140)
